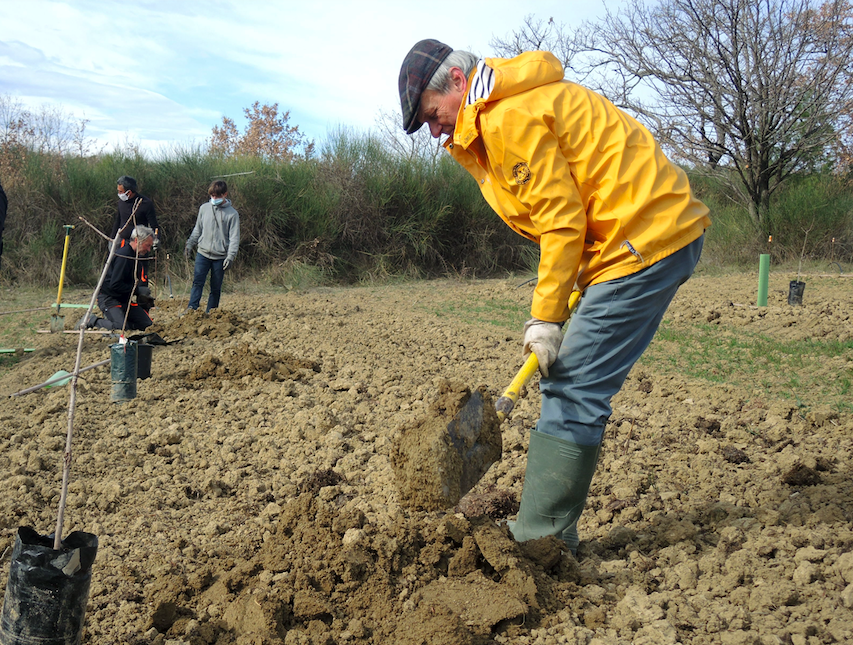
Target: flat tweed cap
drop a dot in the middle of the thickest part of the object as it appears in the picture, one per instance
(415, 74)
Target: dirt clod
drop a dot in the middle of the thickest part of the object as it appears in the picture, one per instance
(801, 475)
(432, 462)
(734, 455)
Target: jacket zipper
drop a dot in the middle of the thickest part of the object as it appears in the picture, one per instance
(633, 251)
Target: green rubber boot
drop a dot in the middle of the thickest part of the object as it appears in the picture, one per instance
(556, 483)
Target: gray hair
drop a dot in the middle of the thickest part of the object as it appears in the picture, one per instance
(440, 81)
(129, 183)
(141, 233)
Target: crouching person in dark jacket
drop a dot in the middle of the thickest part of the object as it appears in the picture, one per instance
(126, 279)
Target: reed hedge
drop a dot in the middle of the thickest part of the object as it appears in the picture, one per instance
(354, 212)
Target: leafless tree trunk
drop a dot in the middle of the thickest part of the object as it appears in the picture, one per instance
(749, 91)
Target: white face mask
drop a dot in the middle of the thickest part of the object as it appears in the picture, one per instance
(124, 196)
(216, 201)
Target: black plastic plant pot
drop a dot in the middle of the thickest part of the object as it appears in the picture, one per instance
(123, 371)
(795, 292)
(47, 592)
(144, 353)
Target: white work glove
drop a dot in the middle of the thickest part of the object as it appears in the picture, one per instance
(226, 264)
(543, 339)
(156, 244)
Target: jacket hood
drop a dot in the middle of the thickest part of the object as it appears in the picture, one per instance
(523, 73)
(512, 76)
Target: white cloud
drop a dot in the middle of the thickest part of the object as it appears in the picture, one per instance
(168, 71)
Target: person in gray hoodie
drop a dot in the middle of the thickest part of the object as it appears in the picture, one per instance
(217, 234)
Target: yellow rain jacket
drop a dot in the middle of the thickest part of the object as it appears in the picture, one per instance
(565, 168)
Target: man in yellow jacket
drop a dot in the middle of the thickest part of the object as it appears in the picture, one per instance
(613, 217)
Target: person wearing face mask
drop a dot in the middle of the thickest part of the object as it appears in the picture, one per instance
(133, 210)
(217, 234)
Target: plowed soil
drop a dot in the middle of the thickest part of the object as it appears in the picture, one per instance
(247, 494)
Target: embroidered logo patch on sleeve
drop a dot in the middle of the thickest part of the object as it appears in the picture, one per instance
(521, 172)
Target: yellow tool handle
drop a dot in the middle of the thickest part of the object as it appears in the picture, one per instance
(64, 260)
(506, 403)
(573, 301)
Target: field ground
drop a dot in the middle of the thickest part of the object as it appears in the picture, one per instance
(246, 495)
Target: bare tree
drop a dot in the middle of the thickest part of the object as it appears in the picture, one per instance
(15, 128)
(49, 129)
(750, 91)
(538, 34)
(420, 146)
(267, 134)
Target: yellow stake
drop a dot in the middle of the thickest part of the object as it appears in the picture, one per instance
(68, 228)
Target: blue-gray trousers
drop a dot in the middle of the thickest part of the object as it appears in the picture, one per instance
(611, 328)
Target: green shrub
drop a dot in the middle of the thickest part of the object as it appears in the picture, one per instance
(354, 212)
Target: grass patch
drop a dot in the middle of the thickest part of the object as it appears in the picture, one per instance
(504, 314)
(790, 370)
(786, 369)
(18, 329)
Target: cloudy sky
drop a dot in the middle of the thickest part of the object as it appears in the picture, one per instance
(163, 72)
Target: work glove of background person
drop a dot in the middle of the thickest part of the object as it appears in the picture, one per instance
(143, 296)
(188, 252)
(543, 339)
(226, 264)
(156, 245)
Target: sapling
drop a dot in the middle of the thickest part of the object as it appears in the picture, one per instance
(66, 462)
(803, 252)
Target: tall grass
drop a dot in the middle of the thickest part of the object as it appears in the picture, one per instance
(810, 218)
(354, 212)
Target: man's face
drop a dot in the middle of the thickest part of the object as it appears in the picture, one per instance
(439, 110)
(121, 190)
(145, 246)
